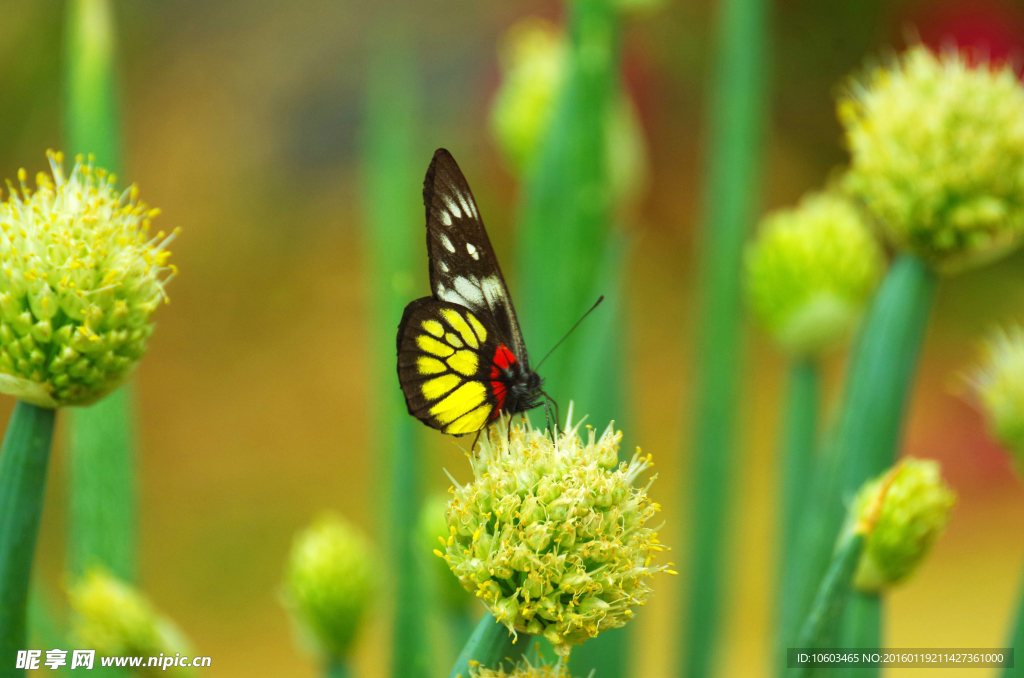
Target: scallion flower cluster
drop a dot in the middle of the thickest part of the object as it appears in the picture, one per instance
(552, 535)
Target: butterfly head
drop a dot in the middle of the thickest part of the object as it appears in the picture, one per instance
(524, 389)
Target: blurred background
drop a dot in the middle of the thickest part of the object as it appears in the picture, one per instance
(242, 121)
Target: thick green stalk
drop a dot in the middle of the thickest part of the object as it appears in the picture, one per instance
(102, 521)
(490, 645)
(801, 412)
(566, 210)
(883, 372)
(1017, 642)
(880, 377)
(832, 594)
(737, 118)
(102, 511)
(91, 115)
(598, 391)
(23, 461)
(878, 394)
(861, 628)
(393, 175)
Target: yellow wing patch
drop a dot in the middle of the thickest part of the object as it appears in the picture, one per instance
(453, 340)
(481, 333)
(461, 326)
(464, 362)
(472, 421)
(437, 387)
(433, 346)
(434, 327)
(459, 402)
(427, 365)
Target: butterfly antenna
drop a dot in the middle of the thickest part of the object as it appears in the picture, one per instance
(571, 330)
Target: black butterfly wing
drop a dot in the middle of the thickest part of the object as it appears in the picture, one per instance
(445, 363)
(463, 268)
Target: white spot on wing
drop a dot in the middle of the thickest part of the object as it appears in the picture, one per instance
(472, 251)
(468, 290)
(447, 243)
(446, 218)
(494, 294)
(451, 296)
(492, 291)
(444, 267)
(467, 204)
(453, 208)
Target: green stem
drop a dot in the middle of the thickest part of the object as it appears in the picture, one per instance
(861, 628)
(394, 217)
(832, 594)
(102, 522)
(737, 118)
(798, 458)
(490, 645)
(881, 374)
(102, 503)
(1017, 642)
(566, 207)
(605, 656)
(23, 461)
(91, 115)
(880, 383)
(411, 651)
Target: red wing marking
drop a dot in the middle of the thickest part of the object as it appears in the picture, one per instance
(503, 358)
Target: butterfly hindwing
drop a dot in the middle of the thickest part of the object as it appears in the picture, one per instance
(445, 356)
(463, 268)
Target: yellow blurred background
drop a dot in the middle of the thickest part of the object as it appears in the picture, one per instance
(242, 122)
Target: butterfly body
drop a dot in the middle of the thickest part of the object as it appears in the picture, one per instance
(462, 361)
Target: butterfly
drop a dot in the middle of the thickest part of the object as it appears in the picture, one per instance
(462, 361)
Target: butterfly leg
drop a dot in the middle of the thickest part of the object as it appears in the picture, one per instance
(475, 441)
(551, 406)
(508, 433)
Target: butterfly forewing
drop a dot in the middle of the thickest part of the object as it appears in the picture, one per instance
(463, 268)
(445, 356)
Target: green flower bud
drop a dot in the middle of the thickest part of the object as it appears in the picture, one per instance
(434, 534)
(937, 152)
(999, 384)
(80, 276)
(909, 508)
(810, 272)
(114, 619)
(329, 585)
(554, 566)
(534, 57)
